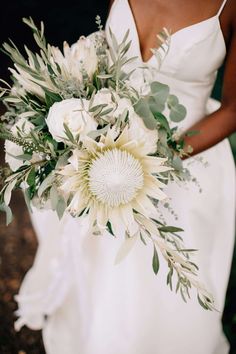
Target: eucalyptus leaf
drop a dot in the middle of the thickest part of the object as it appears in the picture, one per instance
(143, 110)
(177, 163)
(177, 113)
(163, 121)
(160, 93)
(172, 101)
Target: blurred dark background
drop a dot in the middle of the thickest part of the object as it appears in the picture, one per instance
(63, 21)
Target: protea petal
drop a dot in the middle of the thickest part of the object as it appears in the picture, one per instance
(153, 190)
(144, 206)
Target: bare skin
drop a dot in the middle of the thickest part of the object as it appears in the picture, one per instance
(152, 15)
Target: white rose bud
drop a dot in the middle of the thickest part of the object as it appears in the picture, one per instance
(74, 113)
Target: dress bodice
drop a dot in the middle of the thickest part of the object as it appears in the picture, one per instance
(190, 66)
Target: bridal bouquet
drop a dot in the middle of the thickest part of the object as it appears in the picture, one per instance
(80, 139)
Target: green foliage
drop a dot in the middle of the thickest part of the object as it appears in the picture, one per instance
(45, 78)
(155, 261)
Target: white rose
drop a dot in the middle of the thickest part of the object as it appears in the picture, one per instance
(74, 113)
(140, 79)
(13, 149)
(104, 96)
(138, 130)
(122, 105)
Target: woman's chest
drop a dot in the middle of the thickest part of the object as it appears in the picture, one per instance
(150, 17)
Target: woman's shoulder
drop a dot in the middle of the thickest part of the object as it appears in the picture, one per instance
(228, 20)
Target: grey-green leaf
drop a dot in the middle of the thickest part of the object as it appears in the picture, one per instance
(170, 229)
(47, 182)
(31, 177)
(177, 163)
(143, 110)
(163, 121)
(8, 191)
(155, 261)
(61, 207)
(172, 101)
(7, 210)
(54, 197)
(27, 198)
(178, 113)
(160, 93)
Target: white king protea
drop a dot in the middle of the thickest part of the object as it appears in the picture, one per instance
(111, 180)
(81, 56)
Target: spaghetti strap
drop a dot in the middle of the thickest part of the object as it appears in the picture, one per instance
(222, 7)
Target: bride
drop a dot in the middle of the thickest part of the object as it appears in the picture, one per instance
(85, 304)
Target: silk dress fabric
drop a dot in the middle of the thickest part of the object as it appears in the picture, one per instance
(87, 305)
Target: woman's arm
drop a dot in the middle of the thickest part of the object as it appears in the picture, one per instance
(217, 126)
(110, 5)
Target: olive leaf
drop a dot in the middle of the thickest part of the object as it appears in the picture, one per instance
(61, 207)
(47, 182)
(155, 261)
(8, 191)
(7, 210)
(54, 197)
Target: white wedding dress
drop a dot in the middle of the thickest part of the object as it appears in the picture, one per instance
(87, 305)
